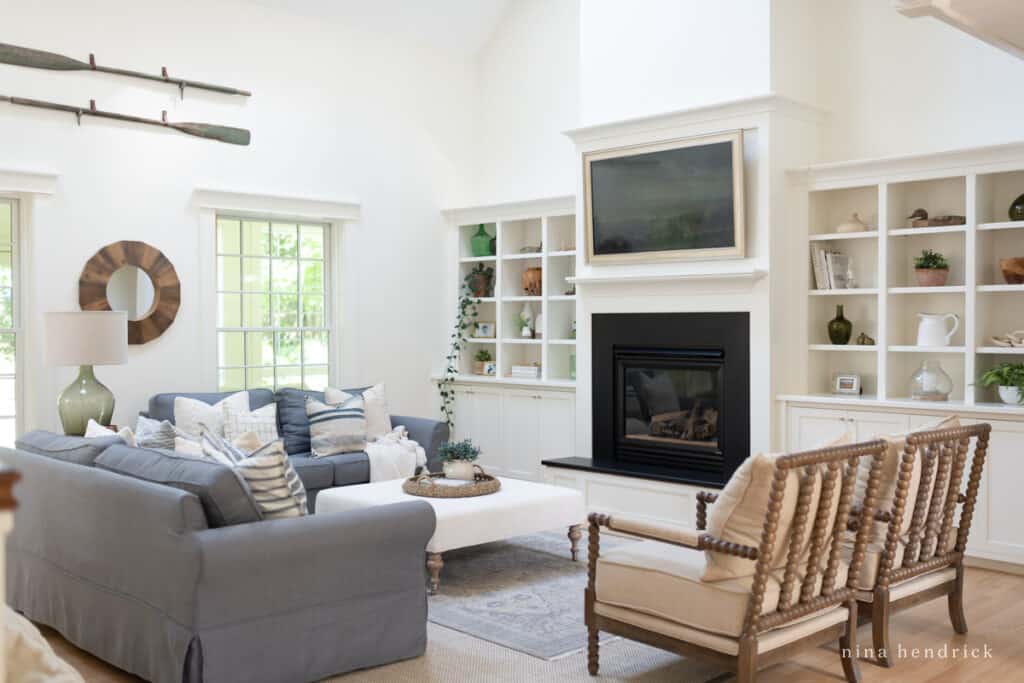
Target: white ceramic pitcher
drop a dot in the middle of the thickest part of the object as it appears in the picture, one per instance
(933, 331)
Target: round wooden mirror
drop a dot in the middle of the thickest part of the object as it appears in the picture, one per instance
(133, 277)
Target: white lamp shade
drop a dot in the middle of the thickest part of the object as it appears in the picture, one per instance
(86, 338)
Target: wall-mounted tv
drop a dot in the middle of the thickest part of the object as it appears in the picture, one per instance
(678, 200)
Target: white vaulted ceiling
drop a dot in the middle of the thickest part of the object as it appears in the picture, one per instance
(997, 22)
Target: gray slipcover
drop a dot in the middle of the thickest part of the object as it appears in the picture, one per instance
(224, 496)
(75, 449)
(128, 570)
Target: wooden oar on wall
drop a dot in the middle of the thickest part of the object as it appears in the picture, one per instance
(40, 59)
(233, 136)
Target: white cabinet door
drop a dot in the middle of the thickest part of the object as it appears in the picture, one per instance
(520, 412)
(478, 417)
(999, 534)
(872, 425)
(556, 428)
(811, 428)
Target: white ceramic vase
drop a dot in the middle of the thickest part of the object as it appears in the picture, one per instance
(1009, 395)
(459, 469)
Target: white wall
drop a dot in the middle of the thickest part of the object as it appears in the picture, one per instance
(651, 56)
(896, 85)
(337, 113)
(528, 79)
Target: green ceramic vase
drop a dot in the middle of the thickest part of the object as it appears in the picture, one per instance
(839, 328)
(480, 243)
(84, 399)
(1017, 209)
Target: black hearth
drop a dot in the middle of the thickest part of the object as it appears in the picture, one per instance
(671, 394)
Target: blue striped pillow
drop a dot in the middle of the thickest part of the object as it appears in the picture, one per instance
(337, 428)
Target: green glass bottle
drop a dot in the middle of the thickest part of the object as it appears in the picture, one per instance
(1017, 209)
(839, 328)
(480, 243)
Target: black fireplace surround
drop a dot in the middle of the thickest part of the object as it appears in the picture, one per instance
(671, 395)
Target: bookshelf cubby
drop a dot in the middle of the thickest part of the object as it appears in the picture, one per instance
(519, 233)
(888, 297)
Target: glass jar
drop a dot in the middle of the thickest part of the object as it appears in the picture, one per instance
(930, 382)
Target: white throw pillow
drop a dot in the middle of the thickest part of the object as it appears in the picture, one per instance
(186, 446)
(262, 422)
(94, 430)
(190, 414)
(336, 428)
(375, 404)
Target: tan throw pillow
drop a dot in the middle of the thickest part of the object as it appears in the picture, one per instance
(738, 516)
(890, 476)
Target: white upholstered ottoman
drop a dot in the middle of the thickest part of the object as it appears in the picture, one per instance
(518, 508)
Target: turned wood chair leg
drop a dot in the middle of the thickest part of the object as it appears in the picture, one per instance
(848, 647)
(956, 602)
(746, 661)
(592, 651)
(880, 628)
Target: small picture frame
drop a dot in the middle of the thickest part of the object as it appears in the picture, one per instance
(490, 368)
(484, 330)
(846, 383)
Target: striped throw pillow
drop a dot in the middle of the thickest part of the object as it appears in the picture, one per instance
(336, 428)
(267, 472)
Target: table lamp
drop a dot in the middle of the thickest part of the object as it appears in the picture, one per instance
(85, 339)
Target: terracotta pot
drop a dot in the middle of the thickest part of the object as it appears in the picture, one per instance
(532, 278)
(480, 285)
(478, 367)
(931, 277)
(1013, 270)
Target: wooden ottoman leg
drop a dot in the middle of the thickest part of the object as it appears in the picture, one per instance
(434, 565)
(575, 534)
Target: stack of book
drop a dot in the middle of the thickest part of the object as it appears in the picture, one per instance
(832, 269)
(526, 371)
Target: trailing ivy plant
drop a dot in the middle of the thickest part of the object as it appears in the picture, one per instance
(464, 318)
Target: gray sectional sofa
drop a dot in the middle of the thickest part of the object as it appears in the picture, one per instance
(316, 473)
(164, 582)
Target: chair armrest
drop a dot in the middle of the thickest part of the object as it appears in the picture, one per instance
(253, 571)
(428, 433)
(703, 498)
(673, 535)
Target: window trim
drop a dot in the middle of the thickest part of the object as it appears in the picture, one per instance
(17, 319)
(329, 325)
(342, 215)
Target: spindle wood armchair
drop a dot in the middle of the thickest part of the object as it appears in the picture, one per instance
(925, 562)
(811, 608)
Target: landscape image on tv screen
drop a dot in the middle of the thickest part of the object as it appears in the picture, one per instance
(663, 201)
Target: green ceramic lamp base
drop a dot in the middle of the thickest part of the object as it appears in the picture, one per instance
(84, 399)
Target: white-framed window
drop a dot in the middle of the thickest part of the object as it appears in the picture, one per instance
(8, 321)
(273, 308)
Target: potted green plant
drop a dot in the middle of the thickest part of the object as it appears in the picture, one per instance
(481, 358)
(480, 281)
(458, 459)
(931, 269)
(1009, 378)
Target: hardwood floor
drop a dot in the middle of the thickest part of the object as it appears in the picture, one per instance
(995, 616)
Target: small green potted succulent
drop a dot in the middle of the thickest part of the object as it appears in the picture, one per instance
(931, 269)
(458, 459)
(480, 360)
(1009, 378)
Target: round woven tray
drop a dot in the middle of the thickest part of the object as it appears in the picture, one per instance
(424, 485)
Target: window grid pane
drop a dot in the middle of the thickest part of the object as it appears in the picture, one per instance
(272, 324)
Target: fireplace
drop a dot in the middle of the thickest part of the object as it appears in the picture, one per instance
(671, 395)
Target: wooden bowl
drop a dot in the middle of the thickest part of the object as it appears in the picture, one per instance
(1013, 270)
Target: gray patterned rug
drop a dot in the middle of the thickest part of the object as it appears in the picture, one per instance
(524, 594)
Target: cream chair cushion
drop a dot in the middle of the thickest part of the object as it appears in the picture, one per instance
(739, 514)
(664, 581)
(868, 574)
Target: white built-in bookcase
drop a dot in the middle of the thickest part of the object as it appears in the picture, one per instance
(978, 184)
(550, 223)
